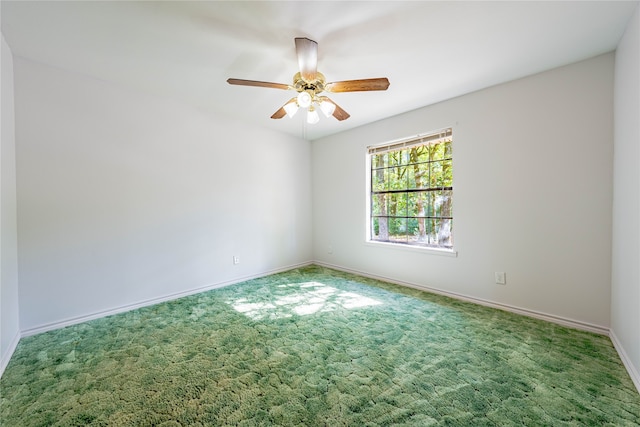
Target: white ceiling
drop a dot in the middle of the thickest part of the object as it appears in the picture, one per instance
(430, 51)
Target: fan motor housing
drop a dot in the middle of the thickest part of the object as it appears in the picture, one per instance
(317, 85)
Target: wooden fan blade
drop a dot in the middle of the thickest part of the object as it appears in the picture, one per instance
(338, 113)
(307, 51)
(357, 85)
(282, 112)
(279, 114)
(256, 83)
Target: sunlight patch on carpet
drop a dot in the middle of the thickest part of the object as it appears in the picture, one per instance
(302, 299)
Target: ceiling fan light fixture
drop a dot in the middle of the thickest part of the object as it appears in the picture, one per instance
(312, 116)
(304, 99)
(327, 107)
(291, 108)
(309, 83)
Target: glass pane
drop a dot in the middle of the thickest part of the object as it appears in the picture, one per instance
(437, 151)
(416, 174)
(398, 229)
(443, 203)
(378, 180)
(411, 177)
(375, 228)
(380, 228)
(420, 154)
(447, 173)
(447, 149)
(431, 231)
(404, 156)
(397, 204)
(429, 203)
(376, 161)
(449, 244)
(419, 232)
(379, 161)
(394, 158)
(390, 178)
(438, 200)
(412, 203)
(413, 230)
(435, 177)
(432, 151)
(378, 204)
(417, 204)
(421, 175)
(442, 233)
(398, 178)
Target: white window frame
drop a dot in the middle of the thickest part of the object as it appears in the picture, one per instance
(393, 146)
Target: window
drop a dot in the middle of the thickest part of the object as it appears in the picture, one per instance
(411, 198)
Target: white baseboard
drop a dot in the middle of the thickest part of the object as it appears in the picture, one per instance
(576, 324)
(6, 357)
(626, 361)
(152, 301)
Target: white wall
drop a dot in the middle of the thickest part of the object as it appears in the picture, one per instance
(532, 194)
(124, 197)
(625, 292)
(9, 313)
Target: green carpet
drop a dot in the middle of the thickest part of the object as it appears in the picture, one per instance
(316, 347)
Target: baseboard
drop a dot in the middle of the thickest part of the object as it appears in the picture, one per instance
(626, 361)
(575, 324)
(6, 357)
(152, 301)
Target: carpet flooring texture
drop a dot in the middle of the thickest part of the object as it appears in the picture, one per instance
(317, 347)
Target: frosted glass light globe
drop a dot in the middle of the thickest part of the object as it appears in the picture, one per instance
(304, 99)
(327, 108)
(312, 117)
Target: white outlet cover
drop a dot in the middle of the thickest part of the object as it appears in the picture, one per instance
(501, 278)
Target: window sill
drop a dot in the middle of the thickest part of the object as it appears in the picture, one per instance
(412, 248)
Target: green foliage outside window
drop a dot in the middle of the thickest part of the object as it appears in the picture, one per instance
(411, 194)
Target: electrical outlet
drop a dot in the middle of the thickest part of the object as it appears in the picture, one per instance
(236, 260)
(330, 249)
(501, 278)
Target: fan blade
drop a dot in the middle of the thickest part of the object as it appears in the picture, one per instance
(338, 113)
(307, 51)
(279, 114)
(256, 83)
(357, 85)
(282, 112)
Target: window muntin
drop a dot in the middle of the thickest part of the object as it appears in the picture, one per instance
(411, 197)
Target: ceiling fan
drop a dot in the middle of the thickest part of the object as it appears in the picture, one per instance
(310, 83)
